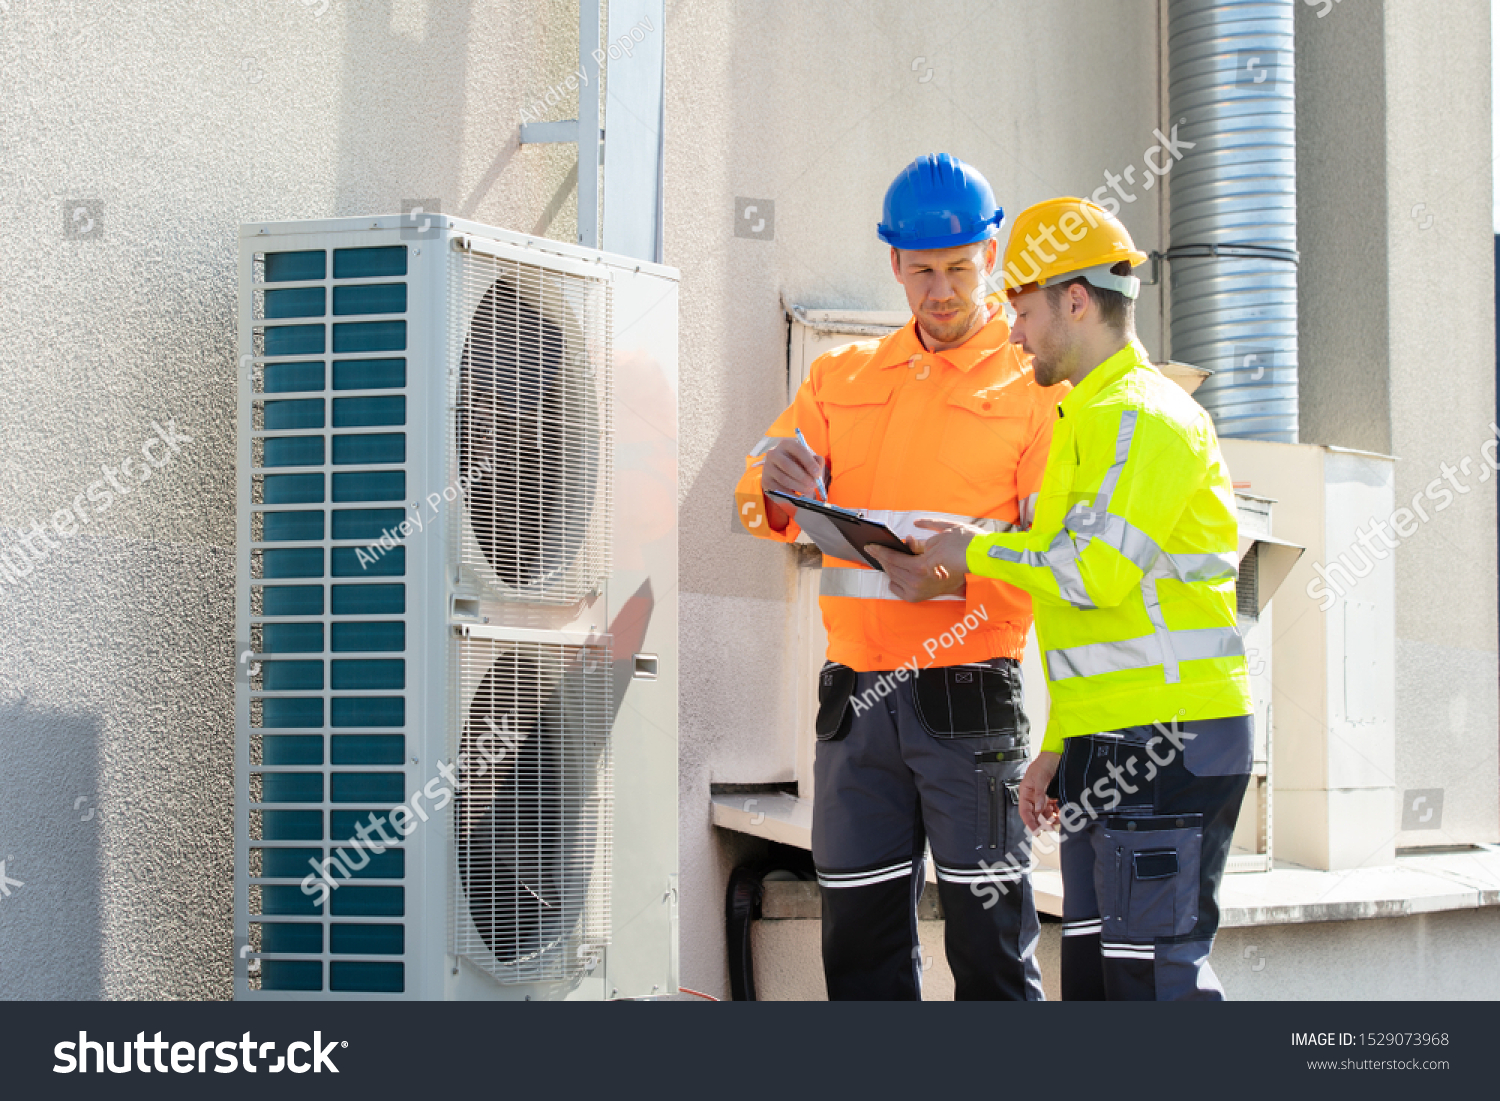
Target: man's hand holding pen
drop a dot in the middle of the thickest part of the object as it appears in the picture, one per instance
(792, 467)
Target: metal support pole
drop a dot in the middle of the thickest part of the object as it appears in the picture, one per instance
(588, 124)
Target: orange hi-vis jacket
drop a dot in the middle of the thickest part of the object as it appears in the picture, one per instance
(909, 434)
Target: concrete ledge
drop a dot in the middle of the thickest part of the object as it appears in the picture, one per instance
(1292, 895)
(1445, 956)
(776, 816)
(1286, 895)
(787, 900)
(1416, 884)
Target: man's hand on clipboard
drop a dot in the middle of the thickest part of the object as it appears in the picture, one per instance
(937, 568)
(791, 467)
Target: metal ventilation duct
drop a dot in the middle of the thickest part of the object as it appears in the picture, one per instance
(1233, 259)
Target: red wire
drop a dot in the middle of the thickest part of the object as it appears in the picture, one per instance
(696, 993)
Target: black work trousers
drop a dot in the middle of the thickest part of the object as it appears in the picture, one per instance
(905, 758)
(1148, 815)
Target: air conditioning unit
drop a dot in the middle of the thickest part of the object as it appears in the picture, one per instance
(456, 708)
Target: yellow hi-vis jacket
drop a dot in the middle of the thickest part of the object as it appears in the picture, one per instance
(1131, 560)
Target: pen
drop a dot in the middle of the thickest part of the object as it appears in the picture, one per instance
(818, 482)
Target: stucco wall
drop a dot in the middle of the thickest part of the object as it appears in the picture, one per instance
(172, 123)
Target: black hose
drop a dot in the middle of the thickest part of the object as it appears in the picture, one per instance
(741, 910)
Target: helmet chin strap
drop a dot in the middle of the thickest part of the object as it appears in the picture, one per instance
(1101, 277)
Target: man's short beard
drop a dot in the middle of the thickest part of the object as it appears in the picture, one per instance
(959, 326)
(1053, 358)
(1037, 365)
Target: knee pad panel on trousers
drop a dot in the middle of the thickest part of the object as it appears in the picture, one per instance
(991, 936)
(1146, 875)
(869, 933)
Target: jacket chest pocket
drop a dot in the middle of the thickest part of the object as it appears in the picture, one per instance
(982, 440)
(858, 410)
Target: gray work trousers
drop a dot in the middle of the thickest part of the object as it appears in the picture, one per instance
(935, 757)
(1148, 814)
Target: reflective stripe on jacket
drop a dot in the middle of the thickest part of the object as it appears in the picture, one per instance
(1131, 560)
(961, 435)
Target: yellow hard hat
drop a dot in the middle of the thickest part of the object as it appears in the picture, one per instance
(1062, 239)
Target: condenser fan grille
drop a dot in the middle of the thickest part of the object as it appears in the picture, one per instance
(532, 426)
(534, 822)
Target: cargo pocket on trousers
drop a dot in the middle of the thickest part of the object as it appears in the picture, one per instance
(997, 821)
(835, 717)
(1147, 876)
(970, 701)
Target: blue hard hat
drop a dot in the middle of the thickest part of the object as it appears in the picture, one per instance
(938, 201)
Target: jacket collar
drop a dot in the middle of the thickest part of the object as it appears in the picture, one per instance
(902, 345)
(1109, 372)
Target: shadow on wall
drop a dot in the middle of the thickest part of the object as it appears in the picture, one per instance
(51, 945)
(401, 119)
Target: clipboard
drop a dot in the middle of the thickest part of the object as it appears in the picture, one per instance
(841, 532)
